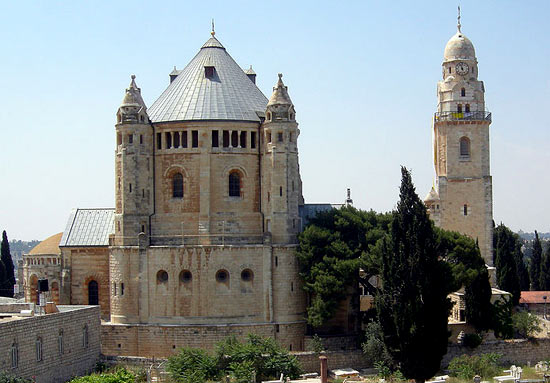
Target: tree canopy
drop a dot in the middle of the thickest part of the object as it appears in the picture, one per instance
(7, 273)
(535, 266)
(413, 306)
(505, 261)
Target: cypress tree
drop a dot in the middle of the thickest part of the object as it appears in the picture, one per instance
(507, 273)
(536, 261)
(545, 271)
(412, 306)
(523, 275)
(6, 290)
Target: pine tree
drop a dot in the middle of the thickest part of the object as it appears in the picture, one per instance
(507, 273)
(413, 306)
(545, 271)
(6, 287)
(536, 261)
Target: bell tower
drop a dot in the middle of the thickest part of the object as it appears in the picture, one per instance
(133, 168)
(462, 198)
(282, 192)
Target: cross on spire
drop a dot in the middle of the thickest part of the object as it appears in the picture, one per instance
(458, 18)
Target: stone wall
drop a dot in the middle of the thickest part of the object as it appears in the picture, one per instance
(66, 328)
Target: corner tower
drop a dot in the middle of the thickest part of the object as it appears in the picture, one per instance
(133, 167)
(462, 198)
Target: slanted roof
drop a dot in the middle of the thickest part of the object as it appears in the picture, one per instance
(310, 210)
(48, 246)
(529, 297)
(88, 227)
(227, 95)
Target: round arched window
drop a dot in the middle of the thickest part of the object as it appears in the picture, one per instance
(247, 275)
(162, 276)
(185, 276)
(222, 276)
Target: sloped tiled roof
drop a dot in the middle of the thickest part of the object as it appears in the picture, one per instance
(48, 246)
(534, 297)
(228, 95)
(88, 227)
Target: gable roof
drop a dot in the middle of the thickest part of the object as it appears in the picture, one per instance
(228, 95)
(528, 297)
(88, 227)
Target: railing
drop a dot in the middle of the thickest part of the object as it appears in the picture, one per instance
(462, 116)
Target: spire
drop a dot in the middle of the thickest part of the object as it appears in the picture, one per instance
(458, 25)
(132, 106)
(213, 33)
(280, 94)
(133, 94)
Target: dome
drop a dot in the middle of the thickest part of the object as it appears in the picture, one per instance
(49, 246)
(459, 47)
(432, 196)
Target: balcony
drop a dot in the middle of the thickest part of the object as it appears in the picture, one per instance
(462, 116)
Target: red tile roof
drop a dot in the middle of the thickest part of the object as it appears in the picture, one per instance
(534, 297)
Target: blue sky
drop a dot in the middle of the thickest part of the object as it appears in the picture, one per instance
(362, 75)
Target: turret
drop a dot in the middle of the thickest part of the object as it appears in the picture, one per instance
(133, 167)
(283, 186)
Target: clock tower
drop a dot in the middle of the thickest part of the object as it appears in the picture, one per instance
(462, 199)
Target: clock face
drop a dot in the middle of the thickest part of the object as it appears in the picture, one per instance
(462, 68)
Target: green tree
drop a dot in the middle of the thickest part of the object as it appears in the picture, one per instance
(536, 261)
(507, 273)
(469, 271)
(413, 306)
(523, 274)
(332, 249)
(8, 277)
(545, 271)
(526, 324)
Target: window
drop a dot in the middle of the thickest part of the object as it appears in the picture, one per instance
(459, 108)
(253, 140)
(234, 184)
(464, 147)
(130, 188)
(449, 69)
(186, 276)
(276, 261)
(141, 139)
(114, 288)
(119, 139)
(130, 138)
(60, 342)
(168, 136)
(234, 138)
(85, 340)
(122, 289)
(159, 141)
(269, 137)
(93, 293)
(14, 355)
(195, 139)
(280, 137)
(215, 139)
(177, 185)
(184, 139)
(162, 276)
(467, 108)
(226, 138)
(38, 346)
(176, 139)
(222, 276)
(465, 210)
(291, 286)
(280, 191)
(463, 92)
(291, 137)
(247, 275)
(268, 116)
(243, 140)
(209, 72)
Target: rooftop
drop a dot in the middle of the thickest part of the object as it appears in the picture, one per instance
(88, 227)
(48, 246)
(529, 297)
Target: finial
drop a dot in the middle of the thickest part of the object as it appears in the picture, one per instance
(133, 77)
(280, 76)
(213, 33)
(458, 24)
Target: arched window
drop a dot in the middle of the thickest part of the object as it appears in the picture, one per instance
(467, 108)
(93, 293)
(38, 349)
(464, 147)
(14, 355)
(177, 185)
(60, 347)
(463, 92)
(162, 276)
(234, 184)
(85, 337)
(459, 108)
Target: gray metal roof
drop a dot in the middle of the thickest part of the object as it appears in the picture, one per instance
(228, 95)
(88, 227)
(310, 210)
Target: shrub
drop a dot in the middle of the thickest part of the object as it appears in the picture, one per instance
(526, 324)
(374, 348)
(472, 340)
(119, 376)
(192, 365)
(466, 367)
(6, 378)
(317, 344)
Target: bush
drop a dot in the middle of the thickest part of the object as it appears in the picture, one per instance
(192, 365)
(472, 340)
(526, 324)
(317, 344)
(119, 376)
(5, 378)
(466, 367)
(374, 348)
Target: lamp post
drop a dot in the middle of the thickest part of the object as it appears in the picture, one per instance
(544, 297)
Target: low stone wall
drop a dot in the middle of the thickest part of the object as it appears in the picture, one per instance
(336, 359)
(333, 343)
(515, 351)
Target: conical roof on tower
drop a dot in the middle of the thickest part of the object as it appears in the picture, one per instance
(280, 94)
(211, 87)
(132, 97)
